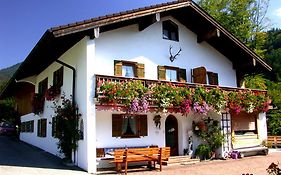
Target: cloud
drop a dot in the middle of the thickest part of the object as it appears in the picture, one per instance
(278, 12)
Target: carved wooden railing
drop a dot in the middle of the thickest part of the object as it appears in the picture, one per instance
(147, 82)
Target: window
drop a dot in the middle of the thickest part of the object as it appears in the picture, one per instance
(171, 73)
(213, 78)
(54, 127)
(128, 69)
(170, 31)
(42, 128)
(43, 86)
(200, 75)
(27, 126)
(125, 126)
(244, 123)
(58, 78)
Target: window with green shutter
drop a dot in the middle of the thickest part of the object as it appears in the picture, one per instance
(199, 75)
(42, 128)
(128, 69)
(58, 78)
(170, 73)
(43, 86)
(213, 78)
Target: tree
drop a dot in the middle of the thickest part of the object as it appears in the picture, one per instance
(243, 18)
(273, 53)
(7, 110)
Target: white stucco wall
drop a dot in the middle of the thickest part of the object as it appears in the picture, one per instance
(48, 143)
(155, 136)
(262, 127)
(76, 57)
(149, 48)
(90, 57)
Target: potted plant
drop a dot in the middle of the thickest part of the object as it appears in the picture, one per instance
(203, 151)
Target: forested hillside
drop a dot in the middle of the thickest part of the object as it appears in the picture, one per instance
(7, 73)
(247, 21)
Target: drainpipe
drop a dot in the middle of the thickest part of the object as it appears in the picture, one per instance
(73, 92)
(73, 78)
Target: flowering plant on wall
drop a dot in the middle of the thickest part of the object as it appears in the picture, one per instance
(131, 94)
(38, 101)
(136, 96)
(166, 95)
(52, 93)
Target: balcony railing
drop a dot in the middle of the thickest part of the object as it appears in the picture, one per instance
(146, 82)
(248, 97)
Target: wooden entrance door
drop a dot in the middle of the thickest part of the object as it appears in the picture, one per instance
(171, 134)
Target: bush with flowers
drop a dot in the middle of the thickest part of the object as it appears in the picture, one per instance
(136, 97)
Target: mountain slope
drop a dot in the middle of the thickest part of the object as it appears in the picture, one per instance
(7, 73)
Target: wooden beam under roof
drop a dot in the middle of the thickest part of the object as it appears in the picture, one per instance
(148, 21)
(208, 35)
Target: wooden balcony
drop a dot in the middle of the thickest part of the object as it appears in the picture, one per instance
(146, 82)
(121, 93)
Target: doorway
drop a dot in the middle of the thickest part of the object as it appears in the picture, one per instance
(171, 134)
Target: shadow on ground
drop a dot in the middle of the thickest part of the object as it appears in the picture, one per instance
(14, 152)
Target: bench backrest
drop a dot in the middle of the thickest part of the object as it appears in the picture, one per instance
(141, 154)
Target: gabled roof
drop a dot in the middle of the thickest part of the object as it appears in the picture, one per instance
(58, 40)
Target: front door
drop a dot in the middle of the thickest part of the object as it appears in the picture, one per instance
(171, 132)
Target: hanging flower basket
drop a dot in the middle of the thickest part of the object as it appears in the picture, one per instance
(52, 93)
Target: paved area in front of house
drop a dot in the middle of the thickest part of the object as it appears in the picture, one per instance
(255, 165)
(18, 158)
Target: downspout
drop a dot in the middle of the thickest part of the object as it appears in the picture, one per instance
(73, 79)
(73, 92)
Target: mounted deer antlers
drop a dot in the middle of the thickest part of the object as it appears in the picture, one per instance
(173, 57)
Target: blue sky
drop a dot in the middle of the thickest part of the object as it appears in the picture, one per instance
(23, 22)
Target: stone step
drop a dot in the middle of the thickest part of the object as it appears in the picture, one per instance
(180, 160)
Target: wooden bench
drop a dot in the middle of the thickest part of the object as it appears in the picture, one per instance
(274, 141)
(140, 155)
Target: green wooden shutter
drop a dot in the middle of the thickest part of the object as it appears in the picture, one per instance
(199, 75)
(39, 128)
(142, 125)
(32, 126)
(44, 127)
(58, 78)
(182, 75)
(216, 78)
(117, 120)
(117, 68)
(161, 73)
(213, 78)
(53, 126)
(140, 70)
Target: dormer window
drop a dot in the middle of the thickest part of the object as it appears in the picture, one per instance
(170, 31)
